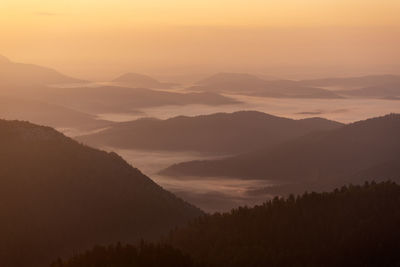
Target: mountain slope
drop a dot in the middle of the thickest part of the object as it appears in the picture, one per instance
(58, 195)
(116, 99)
(387, 91)
(15, 108)
(18, 74)
(219, 133)
(351, 82)
(31, 81)
(246, 84)
(324, 157)
(351, 226)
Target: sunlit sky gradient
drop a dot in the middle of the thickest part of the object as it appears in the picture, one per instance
(102, 38)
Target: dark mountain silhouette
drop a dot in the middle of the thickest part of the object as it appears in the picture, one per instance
(358, 82)
(142, 81)
(58, 196)
(246, 84)
(49, 114)
(351, 226)
(219, 133)
(327, 157)
(18, 74)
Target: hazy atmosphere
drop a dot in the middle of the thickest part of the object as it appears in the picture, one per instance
(98, 40)
(196, 133)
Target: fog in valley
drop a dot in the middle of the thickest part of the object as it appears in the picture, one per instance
(222, 194)
(199, 133)
(82, 108)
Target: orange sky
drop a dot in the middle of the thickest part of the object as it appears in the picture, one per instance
(102, 38)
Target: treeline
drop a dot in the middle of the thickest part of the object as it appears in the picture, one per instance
(144, 254)
(351, 226)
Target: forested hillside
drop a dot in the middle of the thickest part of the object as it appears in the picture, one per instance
(350, 226)
(236, 132)
(58, 196)
(333, 157)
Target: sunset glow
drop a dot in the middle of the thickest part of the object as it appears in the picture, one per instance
(78, 37)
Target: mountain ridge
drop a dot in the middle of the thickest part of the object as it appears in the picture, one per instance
(59, 195)
(215, 133)
(320, 157)
(23, 74)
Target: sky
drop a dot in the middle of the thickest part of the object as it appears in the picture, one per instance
(99, 39)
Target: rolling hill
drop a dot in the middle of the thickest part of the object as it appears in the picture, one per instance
(350, 226)
(58, 196)
(390, 91)
(247, 84)
(351, 82)
(53, 88)
(15, 108)
(328, 157)
(25, 75)
(217, 133)
(116, 99)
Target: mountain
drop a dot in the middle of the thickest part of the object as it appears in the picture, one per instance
(351, 226)
(14, 108)
(217, 133)
(115, 99)
(142, 81)
(34, 83)
(372, 86)
(18, 74)
(390, 91)
(246, 84)
(358, 82)
(58, 196)
(320, 158)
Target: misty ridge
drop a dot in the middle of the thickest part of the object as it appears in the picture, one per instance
(65, 203)
(77, 103)
(348, 154)
(224, 133)
(374, 86)
(74, 197)
(35, 83)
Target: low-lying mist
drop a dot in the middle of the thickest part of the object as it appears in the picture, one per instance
(222, 194)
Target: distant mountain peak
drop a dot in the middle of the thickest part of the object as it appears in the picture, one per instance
(27, 75)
